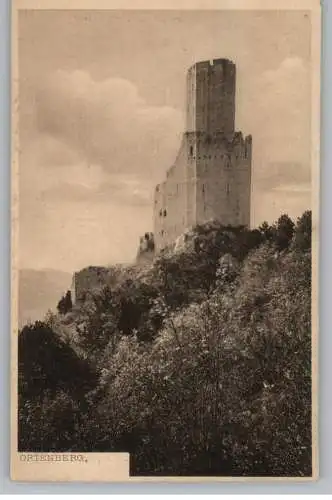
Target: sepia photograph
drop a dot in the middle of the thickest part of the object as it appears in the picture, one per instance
(165, 178)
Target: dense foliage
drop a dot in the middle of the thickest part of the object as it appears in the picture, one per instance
(198, 364)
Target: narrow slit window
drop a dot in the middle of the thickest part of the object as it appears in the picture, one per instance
(227, 188)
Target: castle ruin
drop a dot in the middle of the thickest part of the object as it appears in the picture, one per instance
(211, 176)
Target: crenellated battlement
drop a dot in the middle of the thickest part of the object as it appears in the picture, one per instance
(211, 63)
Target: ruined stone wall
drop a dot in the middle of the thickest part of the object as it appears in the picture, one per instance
(170, 202)
(158, 213)
(243, 171)
(146, 249)
(90, 279)
(223, 179)
(191, 178)
(191, 100)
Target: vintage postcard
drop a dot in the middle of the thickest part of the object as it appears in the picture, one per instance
(165, 200)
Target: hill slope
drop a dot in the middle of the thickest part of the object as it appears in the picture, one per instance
(197, 365)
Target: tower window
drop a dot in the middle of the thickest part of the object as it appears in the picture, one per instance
(227, 188)
(203, 188)
(160, 213)
(165, 213)
(191, 150)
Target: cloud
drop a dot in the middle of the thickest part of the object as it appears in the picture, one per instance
(91, 152)
(114, 189)
(282, 114)
(70, 235)
(276, 174)
(279, 115)
(294, 189)
(292, 200)
(287, 68)
(108, 123)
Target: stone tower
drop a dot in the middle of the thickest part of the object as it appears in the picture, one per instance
(211, 176)
(211, 97)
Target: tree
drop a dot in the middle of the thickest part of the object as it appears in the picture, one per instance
(284, 231)
(224, 388)
(46, 363)
(53, 385)
(303, 230)
(267, 231)
(50, 424)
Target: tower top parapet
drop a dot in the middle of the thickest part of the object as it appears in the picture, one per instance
(212, 62)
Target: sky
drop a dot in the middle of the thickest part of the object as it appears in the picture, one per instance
(101, 113)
